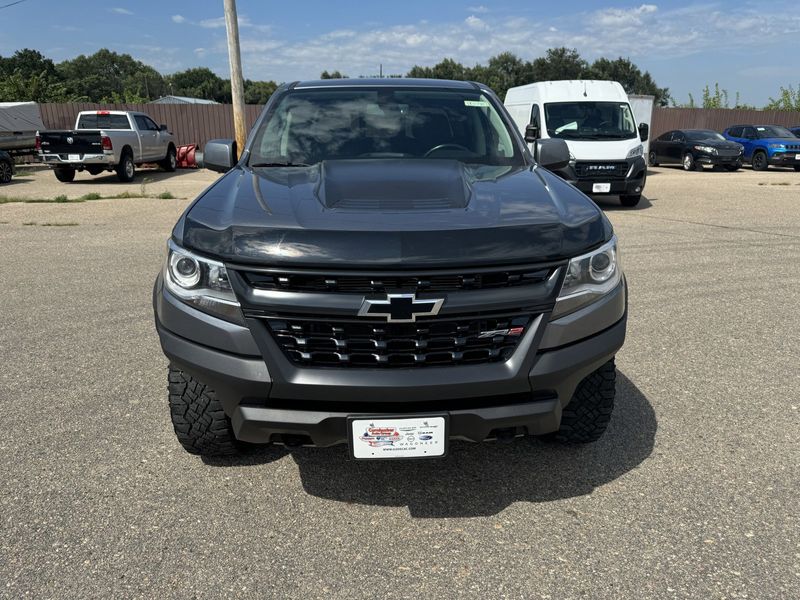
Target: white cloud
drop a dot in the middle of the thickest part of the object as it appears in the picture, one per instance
(178, 19)
(474, 22)
(121, 11)
(480, 9)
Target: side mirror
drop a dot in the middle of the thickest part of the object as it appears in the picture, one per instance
(552, 153)
(163, 127)
(220, 155)
(644, 131)
(531, 133)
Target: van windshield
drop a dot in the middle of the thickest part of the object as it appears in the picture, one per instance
(309, 126)
(590, 120)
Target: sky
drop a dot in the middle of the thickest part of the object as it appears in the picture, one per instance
(749, 47)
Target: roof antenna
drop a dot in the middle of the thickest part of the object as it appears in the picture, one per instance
(585, 95)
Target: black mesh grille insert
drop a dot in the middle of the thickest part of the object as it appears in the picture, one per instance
(427, 343)
(601, 170)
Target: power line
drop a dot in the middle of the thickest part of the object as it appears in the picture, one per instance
(11, 4)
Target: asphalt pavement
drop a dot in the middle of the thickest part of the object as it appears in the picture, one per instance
(692, 493)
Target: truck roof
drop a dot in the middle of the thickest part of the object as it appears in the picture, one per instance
(566, 91)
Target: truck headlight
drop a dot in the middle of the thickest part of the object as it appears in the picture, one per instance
(706, 149)
(589, 278)
(201, 283)
(637, 151)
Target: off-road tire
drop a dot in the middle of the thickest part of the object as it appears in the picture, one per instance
(759, 161)
(588, 414)
(64, 174)
(630, 200)
(126, 169)
(200, 423)
(170, 162)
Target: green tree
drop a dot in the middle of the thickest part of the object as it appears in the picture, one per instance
(333, 75)
(199, 82)
(630, 76)
(28, 75)
(107, 76)
(788, 99)
(258, 92)
(559, 63)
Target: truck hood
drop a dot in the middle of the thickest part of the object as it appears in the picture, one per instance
(599, 150)
(391, 213)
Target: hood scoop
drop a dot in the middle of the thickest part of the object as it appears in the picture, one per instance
(394, 185)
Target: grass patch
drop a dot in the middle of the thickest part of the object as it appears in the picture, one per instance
(63, 199)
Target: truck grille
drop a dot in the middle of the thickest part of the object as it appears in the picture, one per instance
(364, 283)
(426, 343)
(601, 170)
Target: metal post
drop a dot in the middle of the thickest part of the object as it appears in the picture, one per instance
(237, 81)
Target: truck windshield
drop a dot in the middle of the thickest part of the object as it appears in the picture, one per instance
(589, 120)
(309, 126)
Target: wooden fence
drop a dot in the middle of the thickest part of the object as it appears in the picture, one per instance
(198, 123)
(718, 119)
(191, 123)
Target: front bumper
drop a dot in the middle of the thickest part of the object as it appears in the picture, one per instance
(718, 161)
(784, 159)
(270, 400)
(631, 182)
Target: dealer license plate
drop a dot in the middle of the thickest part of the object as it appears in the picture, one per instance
(418, 437)
(74, 156)
(601, 188)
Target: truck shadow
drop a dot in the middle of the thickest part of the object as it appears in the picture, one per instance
(483, 479)
(612, 203)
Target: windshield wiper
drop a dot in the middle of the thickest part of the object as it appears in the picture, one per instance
(279, 163)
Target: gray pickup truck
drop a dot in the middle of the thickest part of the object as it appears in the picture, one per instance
(107, 140)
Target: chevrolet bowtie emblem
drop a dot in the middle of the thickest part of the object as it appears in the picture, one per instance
(400, 308)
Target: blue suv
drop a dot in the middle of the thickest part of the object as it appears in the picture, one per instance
(766, 145)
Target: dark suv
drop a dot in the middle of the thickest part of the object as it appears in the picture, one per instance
(386, 265)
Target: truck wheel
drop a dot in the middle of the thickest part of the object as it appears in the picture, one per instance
(587, 415)
(126, 168)
(65, 174)
(630, 199)
(797, 167)
(651, 158)
(170, 162)
(5, 172)
(760, 161)
(200, 424)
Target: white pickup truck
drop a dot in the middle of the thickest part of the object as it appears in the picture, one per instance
(107, 140)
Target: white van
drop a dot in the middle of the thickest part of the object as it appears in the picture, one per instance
(596, 121)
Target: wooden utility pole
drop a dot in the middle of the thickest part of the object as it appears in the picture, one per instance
(237, 81)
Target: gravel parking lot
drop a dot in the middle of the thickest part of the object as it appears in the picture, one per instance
(693, 492)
